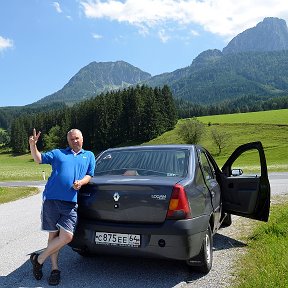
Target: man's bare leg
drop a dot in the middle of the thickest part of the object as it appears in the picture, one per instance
(54, 256)
(55, 243)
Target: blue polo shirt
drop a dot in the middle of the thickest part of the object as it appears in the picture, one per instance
(66, 168)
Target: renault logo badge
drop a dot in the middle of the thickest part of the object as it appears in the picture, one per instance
(116, 196)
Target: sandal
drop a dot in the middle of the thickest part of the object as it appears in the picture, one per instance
(37, 267)
(54, 278)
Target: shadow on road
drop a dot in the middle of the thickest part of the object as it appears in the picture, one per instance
(222, 242)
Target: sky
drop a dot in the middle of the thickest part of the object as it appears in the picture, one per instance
(44, 43)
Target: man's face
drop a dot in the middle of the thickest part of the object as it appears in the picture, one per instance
(75, 141)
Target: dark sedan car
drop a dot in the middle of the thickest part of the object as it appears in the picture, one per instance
(167, 201)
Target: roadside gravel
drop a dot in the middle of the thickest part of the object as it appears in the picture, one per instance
(230, 244)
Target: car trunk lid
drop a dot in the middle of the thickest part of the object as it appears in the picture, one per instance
(127, 199)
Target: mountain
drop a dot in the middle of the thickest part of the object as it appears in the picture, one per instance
(269, 35)
(214, 77)
(95, 78)
(254, 63)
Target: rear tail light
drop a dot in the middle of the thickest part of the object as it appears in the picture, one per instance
(179, 206)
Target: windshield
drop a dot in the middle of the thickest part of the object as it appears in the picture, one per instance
(143, 162)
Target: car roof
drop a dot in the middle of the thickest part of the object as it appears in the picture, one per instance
(159, 146)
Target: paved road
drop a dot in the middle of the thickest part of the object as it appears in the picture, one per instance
(20, 235)
(278, 183)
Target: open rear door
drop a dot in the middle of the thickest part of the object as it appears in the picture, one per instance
(246, 189)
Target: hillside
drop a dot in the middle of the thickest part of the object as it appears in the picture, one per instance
(96, 78)
(214, 77)
(269, 127)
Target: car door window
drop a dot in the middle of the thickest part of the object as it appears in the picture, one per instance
(248, 163)
(206, 167)
(247, 193)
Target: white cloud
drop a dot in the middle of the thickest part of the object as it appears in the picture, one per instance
(57, 7)
(225, 18)
(194, 33)
(97, 36)
(59, 10)
(164, 37)
(5, 43)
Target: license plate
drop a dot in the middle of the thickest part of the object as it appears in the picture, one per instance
(117, 239)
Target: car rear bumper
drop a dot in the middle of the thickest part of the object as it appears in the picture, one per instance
(181, 239)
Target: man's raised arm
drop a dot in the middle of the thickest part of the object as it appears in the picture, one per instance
(33, 147)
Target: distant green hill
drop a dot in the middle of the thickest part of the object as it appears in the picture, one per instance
(269, 127)
(8, 114)
(214, 77)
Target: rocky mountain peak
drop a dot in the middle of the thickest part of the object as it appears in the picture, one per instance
(269, 35)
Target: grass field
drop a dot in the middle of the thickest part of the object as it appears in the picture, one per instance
(8, 194)
(272, 117)
(21, 168)
(266, 262)
(269, 127)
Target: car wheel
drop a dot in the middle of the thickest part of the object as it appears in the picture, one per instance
(203, 261)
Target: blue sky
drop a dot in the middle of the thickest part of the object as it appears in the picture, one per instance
(44, 43)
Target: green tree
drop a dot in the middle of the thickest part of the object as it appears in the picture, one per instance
(19, 137)
(52, 139)
(191, 130)
(167, 108)
(4, 137)
(151, 124)
(220, 138)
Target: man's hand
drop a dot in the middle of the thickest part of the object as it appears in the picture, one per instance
(77, 184)
(33, 148)
(34, 138)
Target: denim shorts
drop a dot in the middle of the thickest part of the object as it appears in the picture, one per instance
(58, 214)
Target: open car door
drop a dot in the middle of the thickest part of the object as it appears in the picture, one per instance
(246, 189)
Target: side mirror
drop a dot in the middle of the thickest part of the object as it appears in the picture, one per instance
(236, 172)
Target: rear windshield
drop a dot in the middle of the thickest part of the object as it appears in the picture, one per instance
(143, 162)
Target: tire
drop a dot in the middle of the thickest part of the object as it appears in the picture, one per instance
(203, 261)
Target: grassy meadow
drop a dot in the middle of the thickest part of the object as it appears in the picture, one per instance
(269, 127)
(17, 168)
(266, 262)
(8, 194)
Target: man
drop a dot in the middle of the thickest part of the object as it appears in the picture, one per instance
(72, 168)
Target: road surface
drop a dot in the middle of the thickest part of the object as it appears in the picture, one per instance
(20, 235)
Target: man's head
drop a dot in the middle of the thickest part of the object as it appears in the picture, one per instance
(75, 140)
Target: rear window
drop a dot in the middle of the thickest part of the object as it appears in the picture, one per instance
(143, 162)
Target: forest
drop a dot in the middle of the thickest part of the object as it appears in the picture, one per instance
(130, 116)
